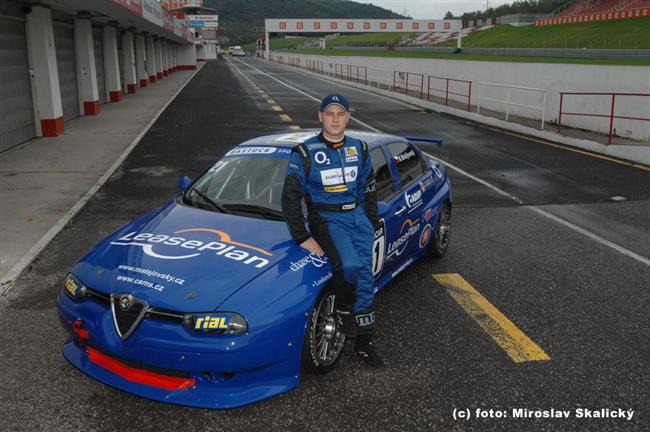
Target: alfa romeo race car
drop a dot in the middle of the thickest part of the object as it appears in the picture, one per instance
(208, 302)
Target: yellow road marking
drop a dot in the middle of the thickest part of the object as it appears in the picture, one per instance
(285, 117)
(270, 101)
(295, 127)
(513, 341)
(583, 152)
(276, 107)
(261, 92)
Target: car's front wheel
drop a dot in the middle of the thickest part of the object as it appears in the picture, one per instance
(323, 339)
(441, 234)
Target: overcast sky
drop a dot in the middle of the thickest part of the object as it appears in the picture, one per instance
(422, 9)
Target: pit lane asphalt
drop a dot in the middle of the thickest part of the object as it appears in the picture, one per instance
(585, 304)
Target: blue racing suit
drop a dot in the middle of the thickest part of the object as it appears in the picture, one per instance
(337, 182)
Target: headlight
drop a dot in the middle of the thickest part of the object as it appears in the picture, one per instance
(217, 322)
(73, 288)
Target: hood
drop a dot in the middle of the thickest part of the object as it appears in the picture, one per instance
(183, 258)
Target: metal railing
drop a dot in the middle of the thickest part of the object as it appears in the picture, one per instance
(408, 83)
(611, 116)
(446, 90)
(348, 72)
(508, 101)
(416, 82)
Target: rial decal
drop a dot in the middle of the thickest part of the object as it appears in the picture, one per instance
(312, 259)
(173, 247)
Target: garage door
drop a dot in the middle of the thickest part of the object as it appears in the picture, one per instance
(16, 109)
(64, 43)
(99, 63)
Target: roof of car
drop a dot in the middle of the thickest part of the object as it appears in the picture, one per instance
(291, 138)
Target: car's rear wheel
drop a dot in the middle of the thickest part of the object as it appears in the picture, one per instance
(323, 338)
(442, 232)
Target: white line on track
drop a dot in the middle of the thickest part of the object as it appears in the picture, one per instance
(535, 209)
(10, 278)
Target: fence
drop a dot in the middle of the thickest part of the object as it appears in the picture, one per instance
(508, 102)
(351, 73)
(402, 82)
(447, 92)
(611, 114)
(401, 79)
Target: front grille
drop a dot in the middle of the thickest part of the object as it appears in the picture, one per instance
(152, 312)
(126, 319)
(99, 296)
(165, 314)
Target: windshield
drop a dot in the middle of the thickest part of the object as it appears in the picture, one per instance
(239, 184)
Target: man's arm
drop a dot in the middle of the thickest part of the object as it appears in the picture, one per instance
(292, 196)
(368, 194)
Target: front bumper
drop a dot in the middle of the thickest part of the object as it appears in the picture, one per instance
(164, 362)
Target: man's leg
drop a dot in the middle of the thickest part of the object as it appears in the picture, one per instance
(335, 240)
(363, 308)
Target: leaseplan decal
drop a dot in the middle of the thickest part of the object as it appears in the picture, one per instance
(409, 229)
(226, 247)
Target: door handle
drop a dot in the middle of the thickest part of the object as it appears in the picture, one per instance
(400, 211)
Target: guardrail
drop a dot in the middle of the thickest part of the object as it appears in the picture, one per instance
(508, 102)
(351, 73)
(401, 82)
(314, 66)
(403, 78)
(447, 92)
(611, 114)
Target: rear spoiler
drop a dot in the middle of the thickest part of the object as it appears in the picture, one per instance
(437, 141)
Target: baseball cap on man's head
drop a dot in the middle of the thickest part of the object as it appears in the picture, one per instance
(334, 99)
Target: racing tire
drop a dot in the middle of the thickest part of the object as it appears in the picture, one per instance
(440, 241)
(324, 340)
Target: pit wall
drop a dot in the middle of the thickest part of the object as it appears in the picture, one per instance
(554, 78)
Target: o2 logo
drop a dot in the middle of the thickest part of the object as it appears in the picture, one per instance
(321, 158)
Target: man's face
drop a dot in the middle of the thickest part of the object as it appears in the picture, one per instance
(334, 120)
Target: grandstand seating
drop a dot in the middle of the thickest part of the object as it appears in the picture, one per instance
(595, 10)
(434, 38)
(581, 7)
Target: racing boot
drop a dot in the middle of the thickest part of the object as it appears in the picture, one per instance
(346, 322)
(367, 352)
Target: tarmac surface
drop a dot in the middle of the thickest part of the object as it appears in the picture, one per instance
(544, 241)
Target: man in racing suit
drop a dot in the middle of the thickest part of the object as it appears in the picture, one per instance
(333, 174)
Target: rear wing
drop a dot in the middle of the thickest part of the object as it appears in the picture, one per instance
(437, 141)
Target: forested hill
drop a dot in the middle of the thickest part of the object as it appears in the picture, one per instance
(244, 19)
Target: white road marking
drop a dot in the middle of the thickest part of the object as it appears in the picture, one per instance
(10, 278)
(519, 201)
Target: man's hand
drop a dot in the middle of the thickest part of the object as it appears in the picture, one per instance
(312, 246)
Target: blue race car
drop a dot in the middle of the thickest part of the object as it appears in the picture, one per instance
(208, 302)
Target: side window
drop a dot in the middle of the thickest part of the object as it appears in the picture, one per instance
(383, 178)
(409, 164)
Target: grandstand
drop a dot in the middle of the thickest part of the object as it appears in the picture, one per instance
(596, 10)
(434, 38)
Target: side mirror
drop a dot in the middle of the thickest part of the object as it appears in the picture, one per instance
(184, 183)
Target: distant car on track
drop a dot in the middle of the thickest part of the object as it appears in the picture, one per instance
(208, 302)
(238, 52)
